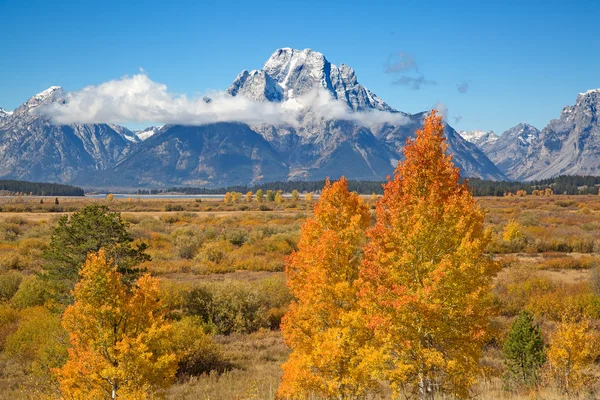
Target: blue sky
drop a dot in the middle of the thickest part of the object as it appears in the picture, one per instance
(521, 60)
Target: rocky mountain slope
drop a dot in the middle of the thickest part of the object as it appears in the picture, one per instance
(569, 145)
(32, 148)
(511, 147)
(362, 141)
(479, 138)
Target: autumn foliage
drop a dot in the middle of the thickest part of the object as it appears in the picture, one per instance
(321, 326)
(415, 311)
(119, 337)
(425, 280)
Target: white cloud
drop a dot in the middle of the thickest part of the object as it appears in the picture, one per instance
(442, 110)
(138, 99)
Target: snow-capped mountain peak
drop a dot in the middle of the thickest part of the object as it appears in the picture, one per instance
(50, 95)
(290, 73)
(590, 92)
(4, 113)
(525, 133)
(148, 132)
(475, 135)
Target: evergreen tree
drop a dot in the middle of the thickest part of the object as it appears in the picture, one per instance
(89, 230)
(523, 352)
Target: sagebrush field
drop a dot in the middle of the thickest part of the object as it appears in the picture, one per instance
(223, 264)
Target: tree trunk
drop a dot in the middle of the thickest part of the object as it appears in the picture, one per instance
(115, 387)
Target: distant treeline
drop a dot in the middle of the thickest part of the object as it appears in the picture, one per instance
(39, 188)
(286, 186)
(564, 184)
(559, 185)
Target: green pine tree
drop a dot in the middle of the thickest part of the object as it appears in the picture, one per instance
(88, 230)
(523, 352)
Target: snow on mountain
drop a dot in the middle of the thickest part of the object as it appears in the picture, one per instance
(509, 148)
(291, 73)
(317, 145)
(320, 145)
(148, 132)
(34, 148)
(478, 137)
(569, 145)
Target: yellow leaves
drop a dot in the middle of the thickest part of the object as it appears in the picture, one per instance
(512, 231)
(573, 350)
(119, 337)
(425, 277)
(322, 326)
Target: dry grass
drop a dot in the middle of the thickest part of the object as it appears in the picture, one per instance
(551, 266)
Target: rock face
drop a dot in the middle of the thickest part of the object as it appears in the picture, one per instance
(569, 145)
(321, 147)
(147, 133)
(511, 147)
(222, 154)
(481, 139)
(211, 155)
(32, 148)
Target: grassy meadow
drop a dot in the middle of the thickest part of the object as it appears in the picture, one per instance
(223, 264)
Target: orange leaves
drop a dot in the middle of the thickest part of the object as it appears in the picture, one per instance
(119, 337)
(321, 325)
(408, 303)
(425, 273)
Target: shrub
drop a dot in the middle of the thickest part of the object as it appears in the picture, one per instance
(32, 292)
(230, 307)
(187, 241)
(235, 236)
(9, 284)
(197, 352)
(215, 252)
(39, 343)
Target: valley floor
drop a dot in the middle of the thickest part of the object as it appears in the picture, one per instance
(552, 266)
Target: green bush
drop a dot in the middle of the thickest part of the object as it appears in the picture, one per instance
(235, 236)
(9, 284)
(32, 292)
(187, 241)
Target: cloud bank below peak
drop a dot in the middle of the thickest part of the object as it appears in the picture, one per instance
(138, 99)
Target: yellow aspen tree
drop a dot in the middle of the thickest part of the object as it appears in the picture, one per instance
(236, 197)
(425, 280)
(228, 198)
(322, 326)
(308, 197)
(573, 349)
(295, 195)
(260, 196)
(120, 340)
(249, 197)
(512, 231)
(278, 197)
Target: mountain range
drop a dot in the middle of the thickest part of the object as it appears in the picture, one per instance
(568, 145)
(317, 145)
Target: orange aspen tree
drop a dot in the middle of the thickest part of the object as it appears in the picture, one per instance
(322, 326)
(425, 281)
(119, 338)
